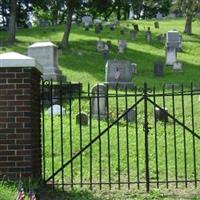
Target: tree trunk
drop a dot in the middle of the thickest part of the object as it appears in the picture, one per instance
(65, 40)
(12, 21)
(118, 2)
(188, 25)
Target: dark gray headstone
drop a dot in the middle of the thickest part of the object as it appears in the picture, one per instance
(148, 36)
(161, 114)
(158, 68)
(130, 116)
(156, 25)
(136, 27)
(82, 118)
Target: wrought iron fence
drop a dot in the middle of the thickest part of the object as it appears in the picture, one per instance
(113, 139)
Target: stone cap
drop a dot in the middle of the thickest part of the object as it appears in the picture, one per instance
(13, 59)
(42, 44)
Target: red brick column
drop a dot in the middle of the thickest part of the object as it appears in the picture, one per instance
(20, 140)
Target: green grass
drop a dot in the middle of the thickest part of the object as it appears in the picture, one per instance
(90, 65)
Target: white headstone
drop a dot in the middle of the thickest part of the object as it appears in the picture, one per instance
(171, 55)
(87, 20)
(122, 44)
(56, 110)
(46, 54)
(159, 15)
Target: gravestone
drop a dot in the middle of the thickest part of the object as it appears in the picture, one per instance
(134, 67)
(173, 39)
(97, 28)
(148, 35)
(177, 67)
(136, 27)
(159, 15)
(29, 24)
(171, 55)
(82, 118)
(133, 34)
(99, 101)
(158, 68)
(122, 31)
(122, 44)
(56, 110)
(100, 45)
(46, 54)
(156, 25)
(87, 20)
(119, 74)
(106, 51)
(130, 116)
(44, 23)
(86, 26)
(161, 114)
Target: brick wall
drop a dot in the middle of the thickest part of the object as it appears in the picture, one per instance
(20, 145)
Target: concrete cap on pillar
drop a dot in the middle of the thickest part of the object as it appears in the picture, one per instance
(13, 59)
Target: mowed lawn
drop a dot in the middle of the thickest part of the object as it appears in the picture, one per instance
(81, 63)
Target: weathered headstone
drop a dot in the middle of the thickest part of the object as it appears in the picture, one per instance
(87, 20)
(82, 118)
(133, 34)
(106, 51)
(86, 26)
(177, 67)
(158, 68)
(99, 101)
(119, 74)
(171, 55)
(130, 116)
(56, 110)
(173, 39)
(136, 27)
(156, 25)
(100, 45)
(122, 44)
(161, 114)
(148, 35)
(159, 15)
(46, 54)
(134, 67)
(44, 23)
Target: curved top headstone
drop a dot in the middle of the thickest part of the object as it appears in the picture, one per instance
(13, 59)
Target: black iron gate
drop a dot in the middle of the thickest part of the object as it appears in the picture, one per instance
(143, 139)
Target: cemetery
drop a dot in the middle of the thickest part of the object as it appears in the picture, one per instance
(118, 108)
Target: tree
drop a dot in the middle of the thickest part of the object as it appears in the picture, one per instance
(189, 8)
(71, 6)
(12, 21)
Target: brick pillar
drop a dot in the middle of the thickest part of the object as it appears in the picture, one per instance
(20, 139)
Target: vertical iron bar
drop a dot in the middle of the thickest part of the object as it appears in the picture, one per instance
(127, 139)
(165, 138)
(81, 138)
(137, 142)
(52, 132)
(146, 132)
(193, 138)
(43, 131)
(99, 128)
(70, 135)
(174, 126)
(61, 130)
(156, 139)
(184, 138)
(118, 138)
(108, 140)
(90, 131)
